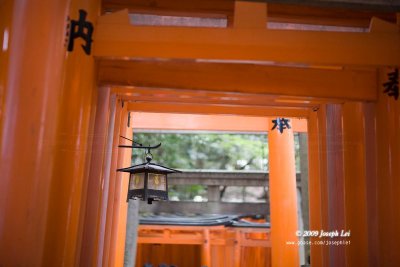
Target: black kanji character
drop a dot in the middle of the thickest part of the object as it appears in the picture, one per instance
(81, 29)
(392, 85)
(281, 124)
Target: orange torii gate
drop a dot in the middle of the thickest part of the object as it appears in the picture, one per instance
(282, 186)
(61, 201)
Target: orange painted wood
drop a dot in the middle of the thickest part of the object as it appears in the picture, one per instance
(179, 255)
(371, 175)
(117, 242)
(123, 205)
(91, 226)
(227, 247)
(217, 109)
(237, 249)
(283, 198)
(5, 25)
(73, 148)
(355, 184)
(207, 8)
(31, 87)
(318, 201)
(246, 77)
(195, 122)
(110, 227)
(206, 248)
(250, 14)
(105, 180)
(277, 12)
(304, 47)
(335, 180)
(388, 185)
(165, 95)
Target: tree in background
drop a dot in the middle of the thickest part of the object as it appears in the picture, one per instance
(206, 151)
(212, 151)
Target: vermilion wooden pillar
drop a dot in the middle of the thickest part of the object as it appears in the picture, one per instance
(388, 175)
(318, 195)
(283, 198)
(371, 175)
(124, 155)
(5, 31)
(110, 193)
(91, 227)
(73, 147)
(105, 180)
(335, 181)
(122, 211)
(355, 184)
(31, 64)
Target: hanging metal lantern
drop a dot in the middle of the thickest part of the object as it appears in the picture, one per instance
(148, 181)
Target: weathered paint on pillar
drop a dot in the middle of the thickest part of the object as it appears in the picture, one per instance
(388, 166)
(72, 150)
(282, 186)
(31, 81)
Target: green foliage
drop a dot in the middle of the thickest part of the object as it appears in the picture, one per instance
(206, 151)
(187, 192)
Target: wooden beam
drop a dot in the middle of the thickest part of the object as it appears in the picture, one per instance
(194, 122)
(167, 95)
(301, 47)
(277, 12)
(250, 14)
(348, 4)
(218, 109)
(338, 83)
(172, 7)
(311, 14)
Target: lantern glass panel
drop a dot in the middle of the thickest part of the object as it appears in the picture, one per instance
(157, 181)
(136, 181)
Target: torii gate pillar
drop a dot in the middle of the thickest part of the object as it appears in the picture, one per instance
(283, 203)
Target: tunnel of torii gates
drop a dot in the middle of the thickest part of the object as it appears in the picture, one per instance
(65, 100)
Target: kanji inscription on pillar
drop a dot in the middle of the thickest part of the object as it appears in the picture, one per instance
(81, 29)
(392, 85)
(281, 124)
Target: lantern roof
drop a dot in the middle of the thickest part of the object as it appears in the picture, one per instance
(146, 167)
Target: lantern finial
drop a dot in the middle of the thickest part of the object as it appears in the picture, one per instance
(149, 156)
